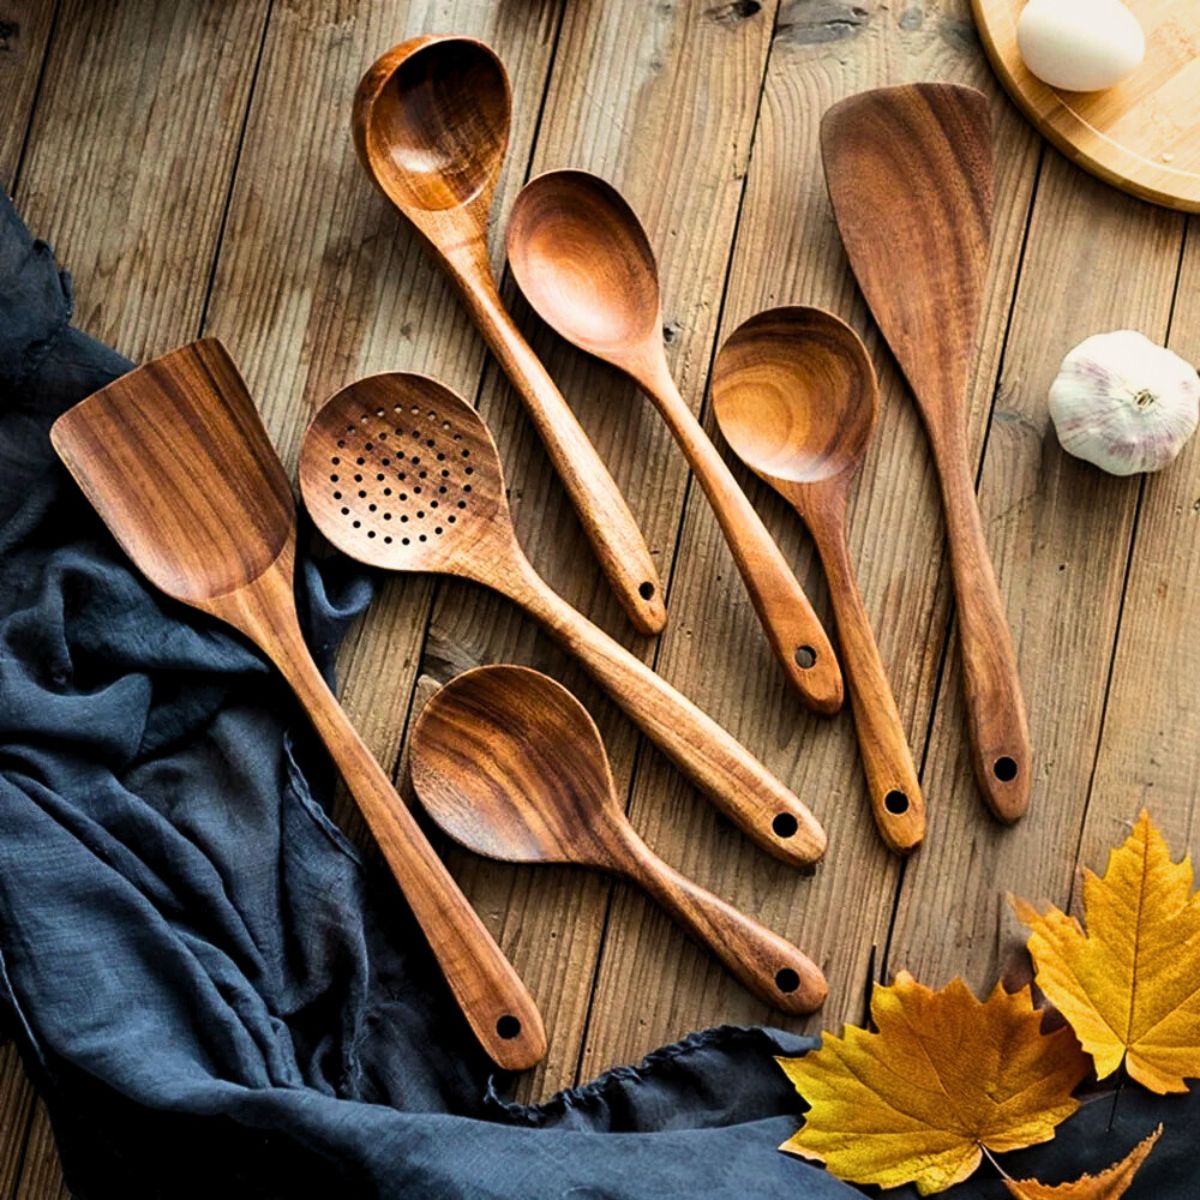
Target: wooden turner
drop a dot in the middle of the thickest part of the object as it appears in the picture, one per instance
(399, 472)
(175, 459)
(909, 171)
(511, 765)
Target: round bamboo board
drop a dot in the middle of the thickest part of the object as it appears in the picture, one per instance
(1142, 136)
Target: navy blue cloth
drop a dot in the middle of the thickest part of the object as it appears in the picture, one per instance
(213, 991)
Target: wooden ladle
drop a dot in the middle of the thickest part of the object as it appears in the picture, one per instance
(175, 459)
(399, 472)
(431, 121)
(511, 765)
(909, 170)
(585, 264)
(795, 395)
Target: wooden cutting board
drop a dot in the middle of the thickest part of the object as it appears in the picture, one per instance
(1142, 136)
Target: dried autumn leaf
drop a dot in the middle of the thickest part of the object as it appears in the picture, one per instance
(1108, 1185)
(1130, 986)
(945, 1076)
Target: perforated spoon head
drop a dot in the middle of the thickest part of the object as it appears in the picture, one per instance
(431, 122)
(175, 459)
(582, 258)
(510, 764)
(399, 472)
(795, 395)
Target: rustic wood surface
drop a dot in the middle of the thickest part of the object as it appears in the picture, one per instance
(192, 165)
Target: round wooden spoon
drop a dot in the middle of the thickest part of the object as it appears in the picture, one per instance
(511, 765)
(584, 263)
(399, 472)
(795, 396)
(431, 122)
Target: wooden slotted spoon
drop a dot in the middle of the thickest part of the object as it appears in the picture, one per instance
(399, 472)
(511, 765)
(175, 459)
(431, 120)
(909, 171)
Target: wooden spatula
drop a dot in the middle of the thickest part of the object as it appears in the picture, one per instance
(175, 460)
(909, 171)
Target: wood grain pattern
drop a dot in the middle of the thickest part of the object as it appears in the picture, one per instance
(175, 459)
(1142, 136)
(510, 764)
(24, 37)
(795, 395)
(921, 266)
(583, 261)
(399, 472)
(431, 120)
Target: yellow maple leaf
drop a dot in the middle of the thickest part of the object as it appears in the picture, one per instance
(1108, 1185)
(1130, 986)
(945, 1075)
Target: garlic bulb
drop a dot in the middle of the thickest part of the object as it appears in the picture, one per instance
(1123, 403)
(1080, 45)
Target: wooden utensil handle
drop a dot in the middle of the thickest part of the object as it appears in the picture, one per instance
(895, 792)
(722, 768)
(606, 519)
(769, 966)
(792, 627)
(998, 729)
(495, 1002)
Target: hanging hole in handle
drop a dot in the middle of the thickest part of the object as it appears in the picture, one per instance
(805, 657)
(896, 802)
(646, 590)
(786, 980)
(508, 1027)
(785, 825)
(1005, 769)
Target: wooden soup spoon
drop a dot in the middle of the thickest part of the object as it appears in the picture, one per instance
(795, 395)
(399, 472)
(431, 121)
(175, 459)
(585, 264)
(921, 262)
(511, 765)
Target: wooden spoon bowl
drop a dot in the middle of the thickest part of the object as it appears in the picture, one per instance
(580, 254)
(437, 129)
(791, 416)
(511, 765)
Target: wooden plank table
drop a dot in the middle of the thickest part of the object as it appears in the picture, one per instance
(191, 164)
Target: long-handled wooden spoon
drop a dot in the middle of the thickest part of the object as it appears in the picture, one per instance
(431, 121)
(795, 396)
(511, 765)
(399, 472)
(584, 263)
(909, 171)
(175, 460)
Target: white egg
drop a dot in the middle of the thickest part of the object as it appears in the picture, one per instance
(1080, 45)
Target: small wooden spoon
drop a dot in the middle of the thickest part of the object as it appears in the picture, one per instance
(430, 123)
(511, 765)
(399, 472)
(175, 459)
(584, 263)
(795, 396)
(909, 171)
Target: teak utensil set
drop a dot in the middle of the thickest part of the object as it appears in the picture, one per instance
(399, 472)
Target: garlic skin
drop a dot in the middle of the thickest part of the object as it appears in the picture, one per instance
(1080, 45)
(1124, 404)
